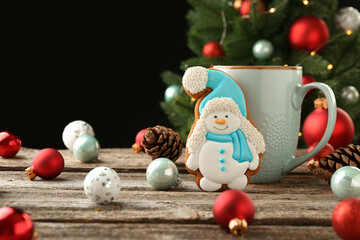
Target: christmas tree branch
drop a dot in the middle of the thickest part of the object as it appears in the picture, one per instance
(342, 56)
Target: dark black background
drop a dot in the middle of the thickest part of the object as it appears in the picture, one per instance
(98, 61)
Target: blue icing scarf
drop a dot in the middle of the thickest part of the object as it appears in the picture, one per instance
(241, 148)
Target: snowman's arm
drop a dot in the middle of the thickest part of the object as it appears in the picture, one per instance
(192, 162)
(255, 157)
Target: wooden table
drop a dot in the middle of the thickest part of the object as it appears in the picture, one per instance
(298, 207)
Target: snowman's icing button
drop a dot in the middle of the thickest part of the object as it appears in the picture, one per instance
(222, 160)
(222, 150)
(222, 168)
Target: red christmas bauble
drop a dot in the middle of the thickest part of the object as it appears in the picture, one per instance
(15, 224)
(308, 79)
(315, 125)
(9, 144)
(213, 50)
(246, 5)
(139, 137)
(137, 147)
(323, 152)
(47, 164)
(346, 219)
(233, 204)
(308, 33)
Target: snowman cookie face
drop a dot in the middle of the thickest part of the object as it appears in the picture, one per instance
(222, 122)
(224, 147)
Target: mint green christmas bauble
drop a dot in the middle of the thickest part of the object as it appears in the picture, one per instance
(262, 49)
(172, 92)
(86, 148)
(345, 182)
(162, 174)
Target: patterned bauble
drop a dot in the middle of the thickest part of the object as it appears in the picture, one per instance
(74, 130)
(47, 163)
(346, 219)
(308, 33)
(172, 92)
(86, 148)
(213, 50)
(262, 49)
(345, 182)
(234, 210)
(10, 144)
(350, 94)
(348, 19)
(102, 185)
(15, 224)
(162, 174)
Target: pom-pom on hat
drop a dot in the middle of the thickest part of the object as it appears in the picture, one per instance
(197, 79)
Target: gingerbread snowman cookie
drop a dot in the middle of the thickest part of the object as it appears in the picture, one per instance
(224, 147)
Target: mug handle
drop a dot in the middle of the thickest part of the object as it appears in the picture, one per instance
(298, 97)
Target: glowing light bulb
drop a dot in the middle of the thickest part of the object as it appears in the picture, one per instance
(272, 10)
(329, 67)
(348, 32)
(305, 2)
(237, 4)
(312, 53)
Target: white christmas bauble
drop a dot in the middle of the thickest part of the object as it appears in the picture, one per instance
(102, 185)
(74, 130)
(348, 18)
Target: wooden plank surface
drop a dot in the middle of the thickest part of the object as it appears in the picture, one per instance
(298, 207)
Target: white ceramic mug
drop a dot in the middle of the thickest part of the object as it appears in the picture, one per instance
(274, 95)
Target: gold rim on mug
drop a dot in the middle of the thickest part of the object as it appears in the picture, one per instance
(256, 67)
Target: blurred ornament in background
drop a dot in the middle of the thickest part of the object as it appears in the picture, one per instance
(15, 224)
(137, 147)
(162, 174)
(86, 148)
(308, 79)
(347, 19)
(262, 49)
(350, 94)
(10, 144)
(102, 185)
(308, 33)
(345, 182)
(245, 7)
(74, 130)
(213, 50)
(172, 92)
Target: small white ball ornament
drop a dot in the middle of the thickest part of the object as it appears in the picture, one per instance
(74, 130)
(102, 185)
(348, 19)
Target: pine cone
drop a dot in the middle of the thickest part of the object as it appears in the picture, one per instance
(161, 141)
(344, 156)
